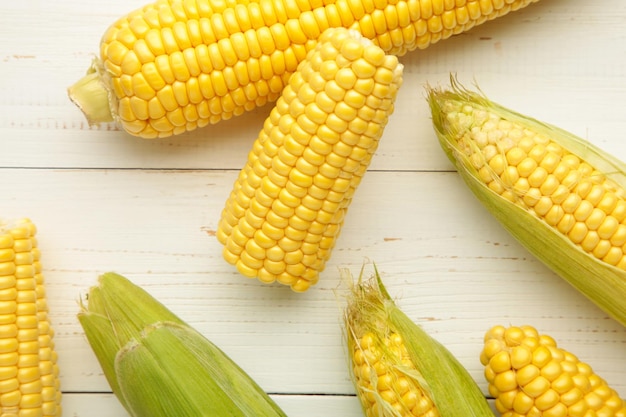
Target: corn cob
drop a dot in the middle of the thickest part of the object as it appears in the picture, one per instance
(175, 65)
(287, 207)
(159, 366)
(558, 195)
(29, 374)
(529, 375)
(398, 370)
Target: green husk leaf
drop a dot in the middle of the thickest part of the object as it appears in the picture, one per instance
(215, 385)
(159, 366)
(441, 376)
(600, 282)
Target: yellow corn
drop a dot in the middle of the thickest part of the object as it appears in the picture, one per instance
(560, 196)
(287, 207)
(29, 374)
(529, 375)
(175, 65)
(398, 370)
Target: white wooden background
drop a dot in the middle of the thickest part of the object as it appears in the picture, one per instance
(148, 209)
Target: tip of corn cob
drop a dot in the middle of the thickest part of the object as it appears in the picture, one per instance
(159, 366)
(397, 368)
(92, 97)
(529, 375)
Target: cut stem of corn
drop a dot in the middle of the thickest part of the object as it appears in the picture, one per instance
(399, 370)
(529, 375)
(176, 65)
(287, 207)
(159, 366)
(29, 373)
(560, 196)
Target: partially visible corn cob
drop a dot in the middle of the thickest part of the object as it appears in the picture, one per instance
(398, 370)
(558, 195)
(287, 207)
(530, 376)
(175, 65)
(159, 366)
(29, 374)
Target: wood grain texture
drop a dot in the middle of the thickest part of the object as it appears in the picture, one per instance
(104, 201)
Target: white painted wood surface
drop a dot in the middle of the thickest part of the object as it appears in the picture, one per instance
(148, 209)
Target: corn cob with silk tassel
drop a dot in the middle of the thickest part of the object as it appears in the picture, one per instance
(176, 65)
(560, 196)
(398, 370)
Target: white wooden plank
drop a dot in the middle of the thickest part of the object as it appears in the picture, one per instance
(453, 268)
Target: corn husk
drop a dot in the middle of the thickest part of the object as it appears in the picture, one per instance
(600, 282)
(159, 366)
(441, 377)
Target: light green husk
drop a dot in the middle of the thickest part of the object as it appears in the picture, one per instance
(157, 365)
(602, 283)
(440, 375)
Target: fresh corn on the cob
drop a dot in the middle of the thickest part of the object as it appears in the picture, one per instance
(399, 370)
(29, 373)
(175, 65)
(159, 366)
(558, 195)
(287, 207)
(530, 376)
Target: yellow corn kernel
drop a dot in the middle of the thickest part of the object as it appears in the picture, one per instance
(223, 48)
(300, 196)
(389, 387)
(555, 382)
(29, 382)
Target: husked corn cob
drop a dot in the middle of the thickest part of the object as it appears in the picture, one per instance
(398, 370)
(287, 207)
(159, 366)
(529, 375)
(175, 65)
(29, 374)
(560, 196)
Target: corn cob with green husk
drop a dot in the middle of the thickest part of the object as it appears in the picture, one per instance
(157, 365)
(398, 370)
(529, 375)
(175, 65)
(558, 195)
